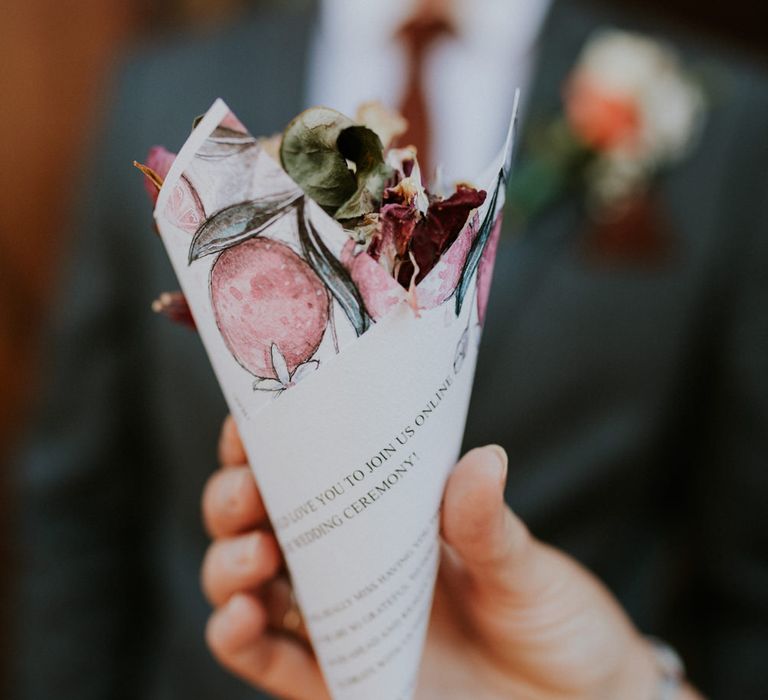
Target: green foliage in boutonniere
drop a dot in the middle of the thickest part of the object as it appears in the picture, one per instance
(630, 110)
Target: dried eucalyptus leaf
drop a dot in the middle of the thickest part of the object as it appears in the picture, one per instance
(363, 147)
(239, 222)
(316, 151)
(309, 154)
(360, 203)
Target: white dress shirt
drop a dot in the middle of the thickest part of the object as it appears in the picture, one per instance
(470, 79)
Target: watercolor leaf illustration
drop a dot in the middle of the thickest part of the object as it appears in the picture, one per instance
(329, 269)
(239, 222)
(478, 245)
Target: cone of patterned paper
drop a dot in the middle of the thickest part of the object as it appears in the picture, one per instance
(350, 392)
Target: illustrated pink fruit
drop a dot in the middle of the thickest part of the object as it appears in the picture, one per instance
(264, 294)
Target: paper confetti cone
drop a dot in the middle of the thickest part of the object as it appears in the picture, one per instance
(350, 393)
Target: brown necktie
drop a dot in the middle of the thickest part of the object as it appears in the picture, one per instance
(429, 23)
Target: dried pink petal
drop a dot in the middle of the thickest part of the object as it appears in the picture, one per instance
(379, 290)
(159, 160)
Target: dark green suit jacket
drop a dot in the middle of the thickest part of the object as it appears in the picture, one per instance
(633, 399)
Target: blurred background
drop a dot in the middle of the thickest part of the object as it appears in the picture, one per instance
(56, 62)
(54, 80)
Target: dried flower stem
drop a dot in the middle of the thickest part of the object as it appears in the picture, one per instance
(150, 174)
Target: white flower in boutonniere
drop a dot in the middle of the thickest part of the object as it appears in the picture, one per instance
(630, 100)
(630, 110)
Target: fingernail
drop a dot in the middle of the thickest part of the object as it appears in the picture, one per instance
(500, 461)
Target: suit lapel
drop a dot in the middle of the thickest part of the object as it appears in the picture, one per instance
(526, 253)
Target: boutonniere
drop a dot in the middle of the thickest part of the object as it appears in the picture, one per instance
(630, 111)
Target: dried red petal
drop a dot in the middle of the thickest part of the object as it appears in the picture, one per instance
(397, 219)
(435, 232)
(398, 222)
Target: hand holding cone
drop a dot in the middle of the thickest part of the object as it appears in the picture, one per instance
(509, 615)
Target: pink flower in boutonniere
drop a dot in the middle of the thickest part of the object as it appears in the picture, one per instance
(630, 109)
(602, 120)
(631, 102)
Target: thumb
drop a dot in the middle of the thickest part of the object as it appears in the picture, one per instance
(492, 543)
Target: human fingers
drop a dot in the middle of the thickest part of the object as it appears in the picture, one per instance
(283, 610)
(492, 543)
(239, 638)
(231, 450)
(239, 564)
(549, 614)
(232, 502)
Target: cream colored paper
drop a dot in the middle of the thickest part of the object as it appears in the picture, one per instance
(351, 437)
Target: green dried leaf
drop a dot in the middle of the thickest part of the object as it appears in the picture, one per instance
(363, 147)
(310, 156)
(315, 151)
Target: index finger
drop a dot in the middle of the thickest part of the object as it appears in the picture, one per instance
(231, 450)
